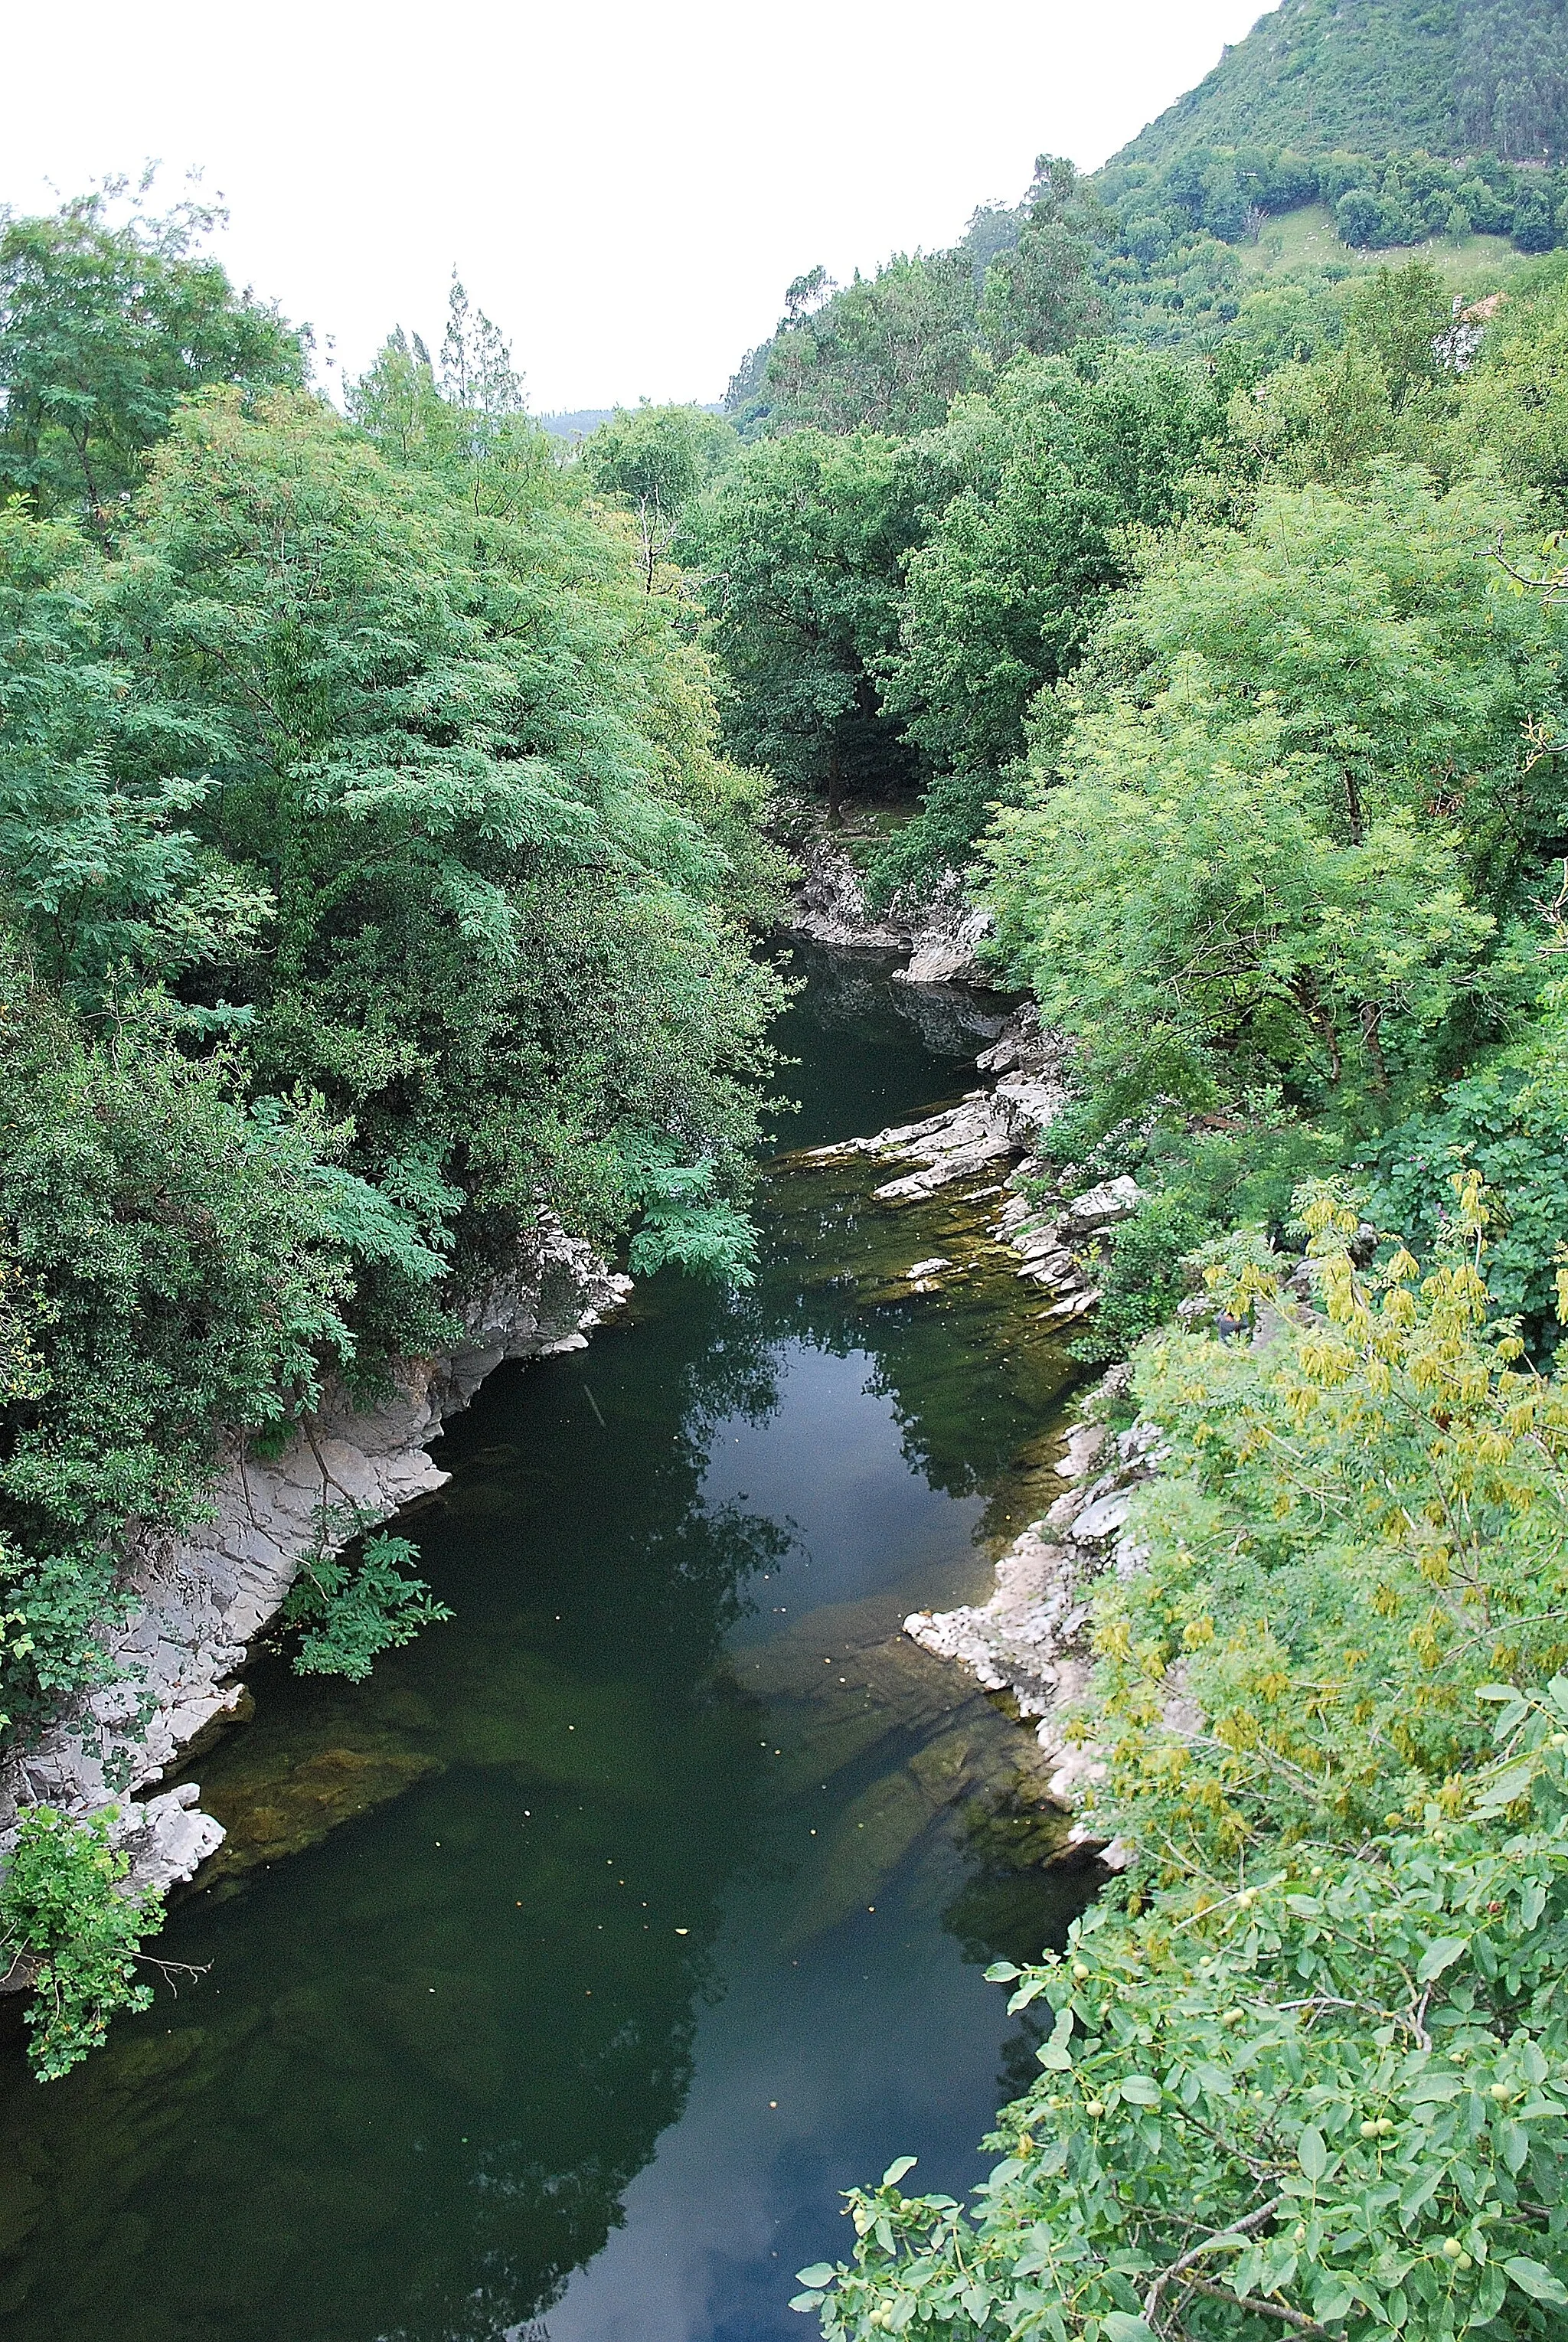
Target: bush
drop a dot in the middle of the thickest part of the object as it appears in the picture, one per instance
(64, 1912)
(1308, 2065)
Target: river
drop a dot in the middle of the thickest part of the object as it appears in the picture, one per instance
(555, 1981)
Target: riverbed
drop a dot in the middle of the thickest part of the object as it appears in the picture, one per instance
(555, 1981)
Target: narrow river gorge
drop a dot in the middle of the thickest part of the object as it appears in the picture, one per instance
(555, 1980)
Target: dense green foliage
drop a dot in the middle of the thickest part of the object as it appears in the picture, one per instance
(1516, 402)
(371, 884)
(1253, 869)
(66, 1913)
(801, 548)
(655, 462)
(375, 758)
(1039, 479)
(104, 329)
(1460, 78)
(1307, 2066)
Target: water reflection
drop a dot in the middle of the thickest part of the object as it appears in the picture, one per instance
(628, 1918)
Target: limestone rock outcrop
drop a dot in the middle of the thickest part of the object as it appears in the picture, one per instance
(194, 1601)
(1031, 1640)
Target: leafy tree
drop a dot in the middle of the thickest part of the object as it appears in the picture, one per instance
(179, 1264)
(1390, 389)
(803, 546)
(477, 372)
(464, 420)
(1269, 872)
(101, 866)
(885, 354)
(1035, 481)
(481, 804)
(1040, 293)
(104, 329)
(657, 461)
(1515, 407)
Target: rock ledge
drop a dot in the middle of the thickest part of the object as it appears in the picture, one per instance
(196, 1601)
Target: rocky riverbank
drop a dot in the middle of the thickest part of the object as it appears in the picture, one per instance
(942, 936)
(194, 1603)
(1031, 1640)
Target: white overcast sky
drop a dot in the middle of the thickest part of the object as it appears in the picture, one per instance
(625, 189)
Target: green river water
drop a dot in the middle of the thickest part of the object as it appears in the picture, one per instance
(558, 1979)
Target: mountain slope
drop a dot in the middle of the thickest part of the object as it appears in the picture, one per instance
(1453, 76)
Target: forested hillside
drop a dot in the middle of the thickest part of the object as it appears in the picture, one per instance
(1375, 76)
(1388, 123)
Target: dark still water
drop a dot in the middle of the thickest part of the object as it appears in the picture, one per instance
(559, 1978)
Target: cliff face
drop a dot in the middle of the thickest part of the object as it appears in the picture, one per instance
(195, 1602)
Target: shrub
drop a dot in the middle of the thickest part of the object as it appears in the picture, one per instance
(64, 1911)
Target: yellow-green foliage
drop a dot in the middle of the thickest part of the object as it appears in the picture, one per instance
(1363, 1517)
(1312, 2071)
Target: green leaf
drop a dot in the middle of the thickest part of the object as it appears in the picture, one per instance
(1119, 2326)
(1419, 2190)
(1002, 1972)
(1312, 2152)
(897, 2168)
(803, 2301)
(1438, 1955)
(1537, 2281)
(1140, 2090)
(820, 2273)
(1501, 1789)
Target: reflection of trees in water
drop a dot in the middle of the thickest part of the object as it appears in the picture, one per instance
(417, 2082)
(852, 992)
(962, 1410)
(1016, 1901)
(405, 2104)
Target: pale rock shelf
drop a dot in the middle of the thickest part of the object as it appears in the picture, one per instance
(195, 1601)
(943, 936)
(1032, 1639)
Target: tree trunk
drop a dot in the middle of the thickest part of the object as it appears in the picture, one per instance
(834, 784)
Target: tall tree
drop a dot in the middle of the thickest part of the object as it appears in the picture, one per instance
(803, 546)
(656, 459)
(887, 353)
(104, 328)
(1041, 294)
